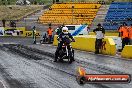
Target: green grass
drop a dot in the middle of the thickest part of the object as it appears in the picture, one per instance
(12, 2)
(17, 12)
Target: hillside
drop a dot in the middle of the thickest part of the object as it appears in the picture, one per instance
(14, 12)
(12, 2)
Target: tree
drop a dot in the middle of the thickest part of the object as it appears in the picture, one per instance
(3, 2)
(8, 1)
(35, 2)
(57, 0)
(53, 1)
(24, 1)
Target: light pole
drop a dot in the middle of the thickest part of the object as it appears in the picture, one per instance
(72, 10)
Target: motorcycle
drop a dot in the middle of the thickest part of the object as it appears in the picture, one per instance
(66, 53)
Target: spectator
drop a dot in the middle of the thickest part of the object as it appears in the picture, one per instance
(50, 32)
(100, 31)
(130, 35)
(123, 33)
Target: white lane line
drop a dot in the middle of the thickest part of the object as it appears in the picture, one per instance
(8, 43)
(2, 85)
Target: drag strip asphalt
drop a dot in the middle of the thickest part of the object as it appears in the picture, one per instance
(37, 70)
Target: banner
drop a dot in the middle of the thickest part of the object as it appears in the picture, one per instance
(1, 31)
(83, 77)
(14, 31)
(78, 30)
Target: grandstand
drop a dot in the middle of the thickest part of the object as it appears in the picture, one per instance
(100, 17)
(70, 13)
(118, 13)
(112, 14)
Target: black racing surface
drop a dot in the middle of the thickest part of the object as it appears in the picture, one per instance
(32, 66)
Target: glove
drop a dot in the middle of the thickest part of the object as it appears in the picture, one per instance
(60, 39)
(73, 40)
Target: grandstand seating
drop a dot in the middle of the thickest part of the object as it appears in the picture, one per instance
(63, 13)
(118, 13)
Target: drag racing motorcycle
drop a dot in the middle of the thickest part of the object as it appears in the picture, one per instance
(66, 52)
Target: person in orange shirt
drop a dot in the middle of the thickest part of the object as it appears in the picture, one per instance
(123, 33)
(50, 32)
(130, 35)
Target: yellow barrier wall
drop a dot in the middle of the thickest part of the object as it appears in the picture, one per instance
(30, 34)
(23, 33)
(107, 33)
(87, 43)
(127, 52)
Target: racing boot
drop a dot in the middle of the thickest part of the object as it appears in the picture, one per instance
(55, 60)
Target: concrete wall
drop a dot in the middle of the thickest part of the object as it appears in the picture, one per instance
(87, 43)
(127, 52)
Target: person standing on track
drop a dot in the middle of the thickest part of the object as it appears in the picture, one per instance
(130, 35)
(100, 31)
(34, 35)
(50, 32)
(124, 34)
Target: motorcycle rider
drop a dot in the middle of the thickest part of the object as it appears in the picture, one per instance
(63, 37)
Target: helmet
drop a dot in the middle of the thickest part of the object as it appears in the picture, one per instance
(99, 24)
(65, 30)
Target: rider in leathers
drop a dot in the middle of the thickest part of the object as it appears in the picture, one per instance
(62, 38)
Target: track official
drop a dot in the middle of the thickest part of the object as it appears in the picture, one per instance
(100, 31)
(130, 35)
(124, 34)
(34, 35)
(50, 32)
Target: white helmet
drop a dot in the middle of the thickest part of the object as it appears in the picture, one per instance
(65, 30)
